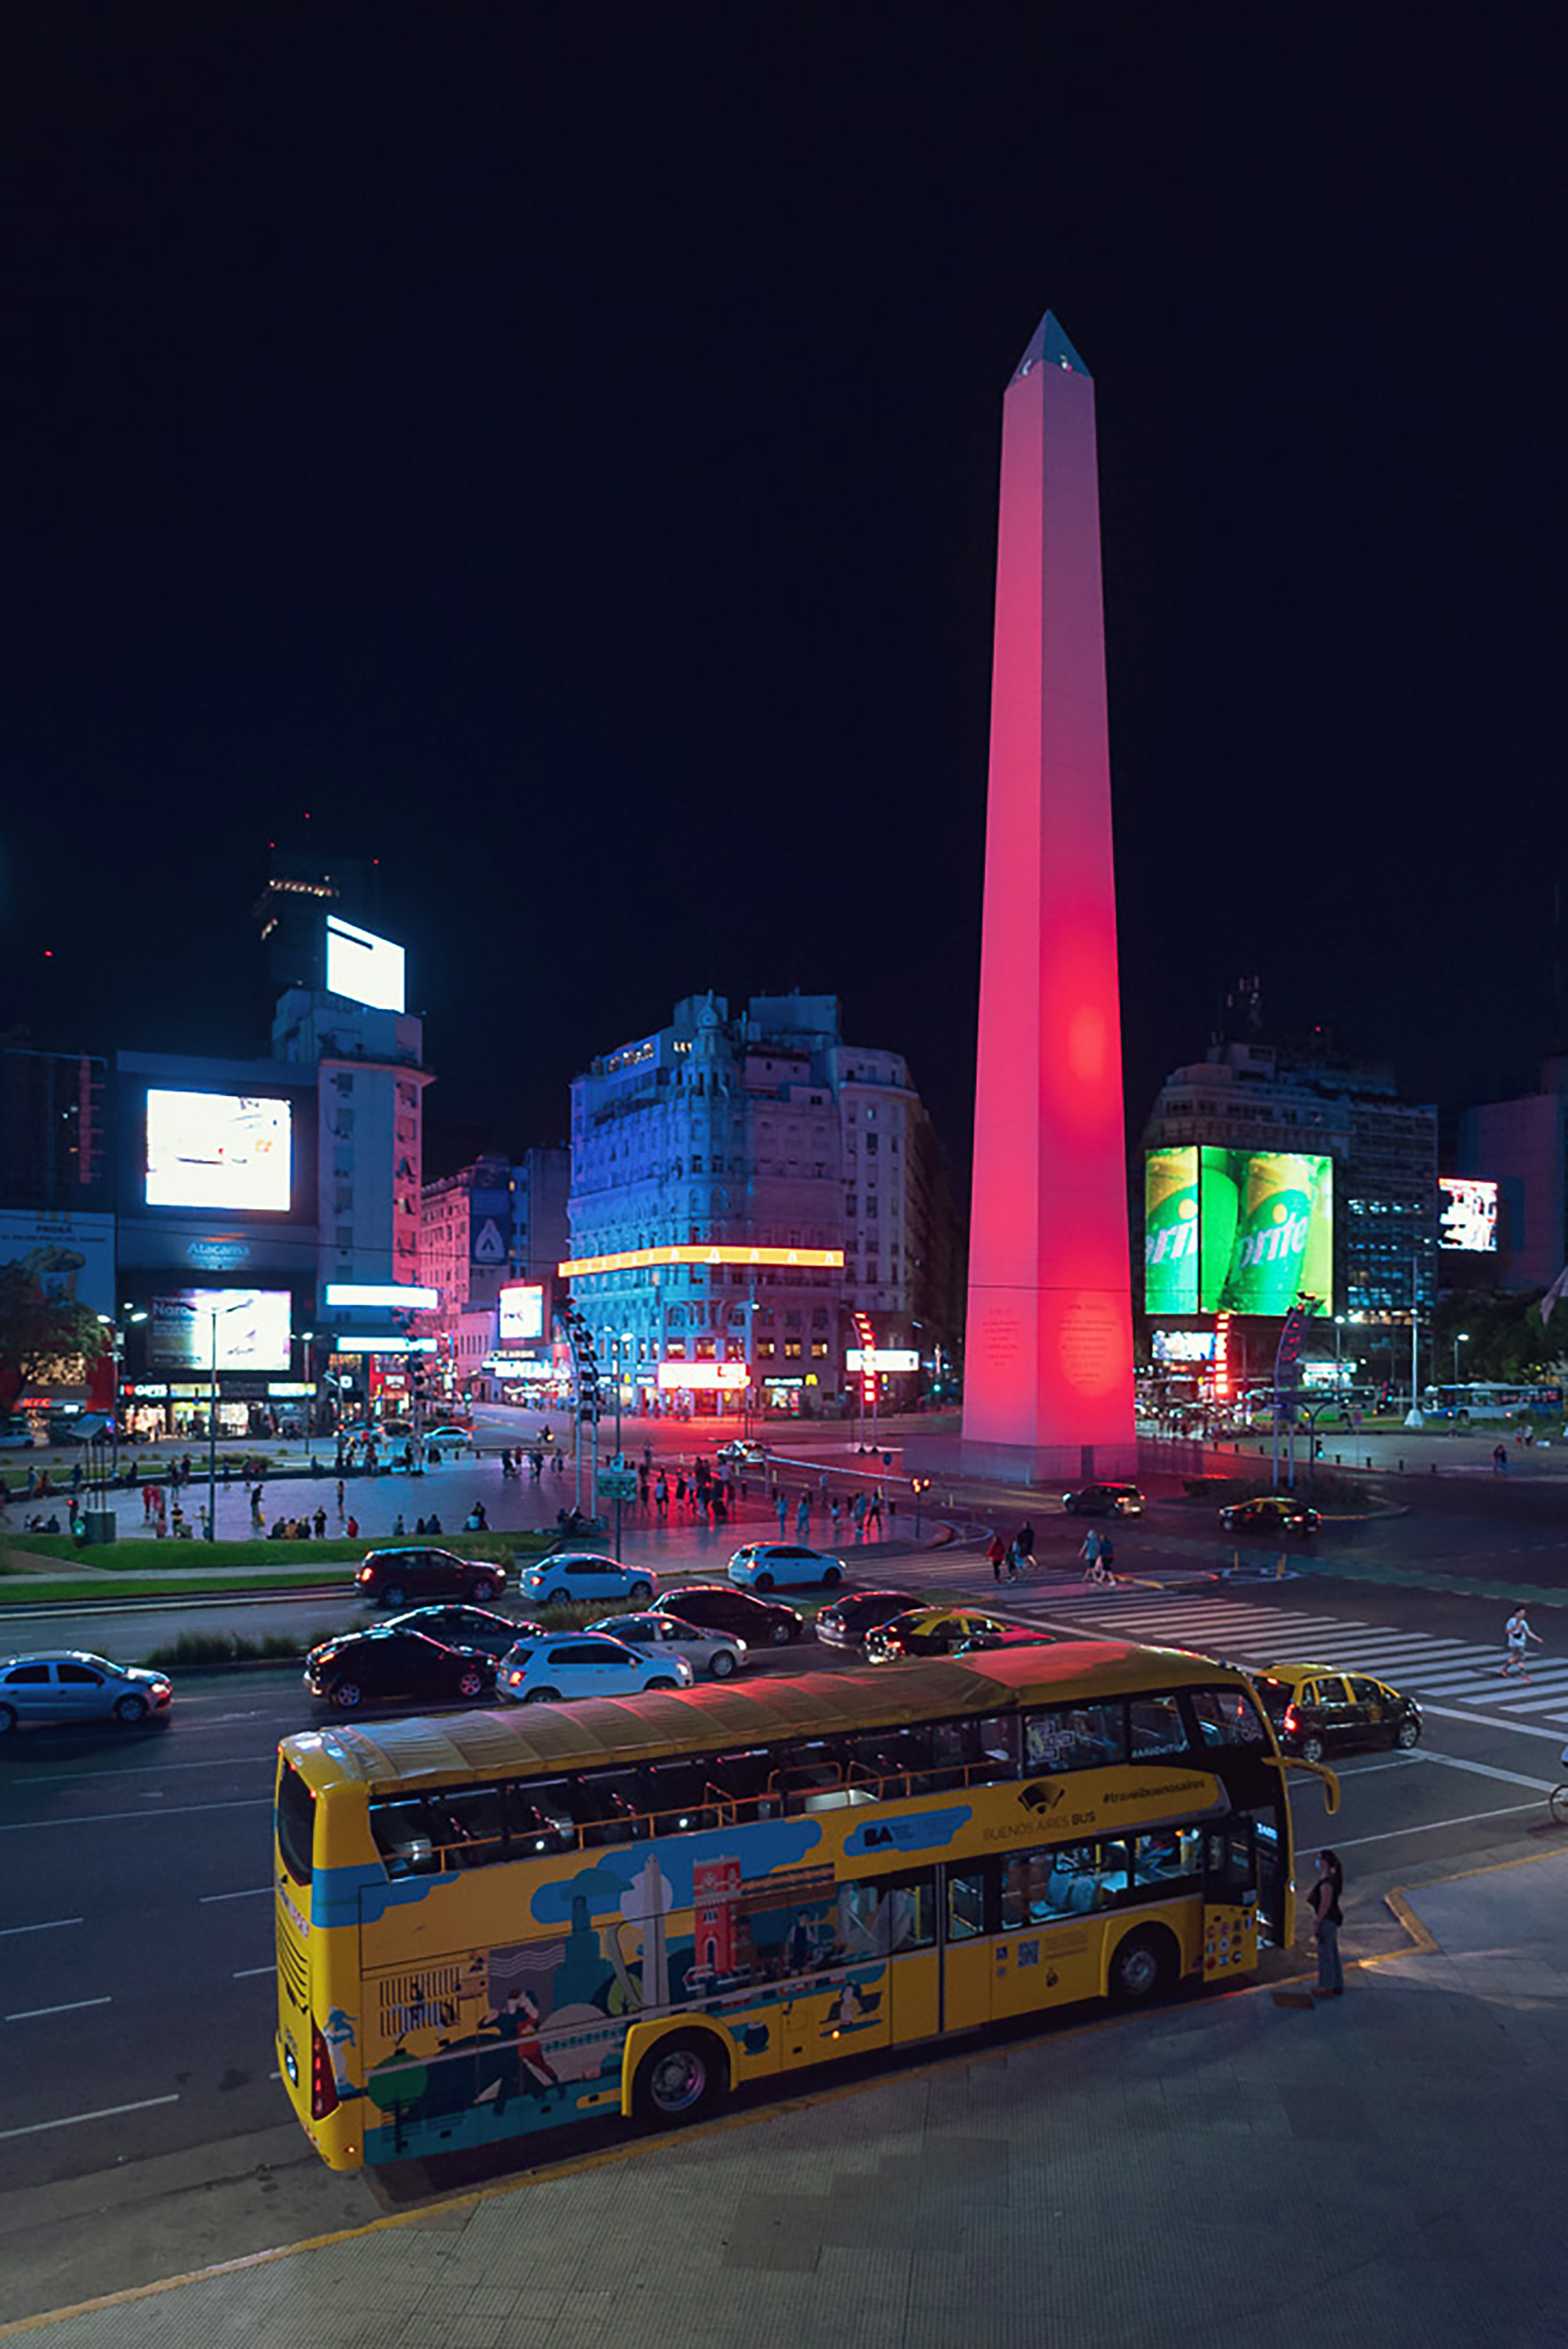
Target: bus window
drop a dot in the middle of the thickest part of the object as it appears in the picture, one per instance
(965, 1904)
(607, 1805)
(538, 1819)
(1227, 1716)
(472, 1824)
(978, 1752)
(678, 1796)
(296, 1824)
(1167, 1860)
(1154, 1725)
(406, 1837)
(887, 1915)
(1074, 1737)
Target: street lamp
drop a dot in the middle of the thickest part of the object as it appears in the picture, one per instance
(215, 1314)
(1461, 1337)
(1338, 1374)
(116, 1342)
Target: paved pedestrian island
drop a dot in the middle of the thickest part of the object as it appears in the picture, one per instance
(1385, 2169)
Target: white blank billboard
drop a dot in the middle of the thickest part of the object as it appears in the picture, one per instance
(252, 1327)
(231, 1151)
(365, 968)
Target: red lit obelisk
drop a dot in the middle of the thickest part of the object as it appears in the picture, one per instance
(1047, 1380)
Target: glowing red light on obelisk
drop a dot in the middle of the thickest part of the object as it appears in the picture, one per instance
(1048, 1381)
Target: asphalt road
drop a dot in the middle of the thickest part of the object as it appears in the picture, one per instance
(136, 1979)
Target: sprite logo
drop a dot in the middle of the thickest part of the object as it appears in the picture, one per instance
(1284, 1236)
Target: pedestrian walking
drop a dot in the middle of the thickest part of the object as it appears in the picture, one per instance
(662, 1494)
(996, 1552)
(803, 1516)
(835, 1510)
(782, 1506)
(1324, 1899)
(319, 1522)
(1499, 1458)
(1518, 1635)
(1090, 1554)
(859, 1517)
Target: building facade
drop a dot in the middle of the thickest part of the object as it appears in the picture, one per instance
(1523, 1146)
(797, 1175)
(491, 1229)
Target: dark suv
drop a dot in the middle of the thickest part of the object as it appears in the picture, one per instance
(392, 1577)
(1104, 1501)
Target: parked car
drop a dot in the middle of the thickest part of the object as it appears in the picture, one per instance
(771, 1566)
(66, 1684)
(846, 1622)
(1316, 1709)
(716, 1653)
(390, 1577)
(16, 1436)
(449, 1436)
(931, 1631)
(468, 1627)
(585, 1663)
(388, 1666)
(1104, 1501)
(571, 1575)
(1272, 1513)
(720, 1607)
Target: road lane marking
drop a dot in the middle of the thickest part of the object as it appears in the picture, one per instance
(50, 1925)
(1428, 1826)
(253, 1892)
(116, 1818)
(32, 2013)
(69, 1777)
(1490, 1720)
(247, 1972)
(1484, 1770)
(74, 2120)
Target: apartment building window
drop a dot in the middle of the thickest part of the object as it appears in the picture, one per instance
(819, 1349)
(765, 1350)
(791, 1349)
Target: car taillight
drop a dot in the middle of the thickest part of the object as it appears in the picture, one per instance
(363, 1575)
(323, 2081)
(1290, 1719)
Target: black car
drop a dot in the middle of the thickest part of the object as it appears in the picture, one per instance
(468, 1627)
(1104, 1501)
(391, 1577)
(717, 1606)
(390, 1667)
(845, 1623)
(1271, 1513)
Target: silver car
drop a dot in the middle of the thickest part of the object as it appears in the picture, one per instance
(716, 1653)
(65, 1685)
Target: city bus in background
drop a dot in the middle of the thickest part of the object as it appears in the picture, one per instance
(493, 1924)
(1481, 1400)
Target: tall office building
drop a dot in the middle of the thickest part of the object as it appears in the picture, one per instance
(741, 1187)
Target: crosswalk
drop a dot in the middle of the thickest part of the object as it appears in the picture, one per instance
(1443, 1672)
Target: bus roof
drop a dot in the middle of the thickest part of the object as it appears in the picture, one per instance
(530, 1740)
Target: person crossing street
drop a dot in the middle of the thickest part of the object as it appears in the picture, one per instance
(1518, 1635)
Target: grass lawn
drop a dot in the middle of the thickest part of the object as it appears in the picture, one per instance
(168, 1569)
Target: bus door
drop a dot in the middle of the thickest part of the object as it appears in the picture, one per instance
(1230, 1888)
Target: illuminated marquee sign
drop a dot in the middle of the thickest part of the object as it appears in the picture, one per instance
(707, 1375)
(518, 1366)
(384, 1345)
(881, 1358)
(637, 1259)
(399, 1295)
(868, 1353)
(1468, 1219)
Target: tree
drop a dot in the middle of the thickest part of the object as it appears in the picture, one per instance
(42, 1331)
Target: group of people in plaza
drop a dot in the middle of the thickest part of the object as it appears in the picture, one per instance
(863, 1510)
(1015, 1560)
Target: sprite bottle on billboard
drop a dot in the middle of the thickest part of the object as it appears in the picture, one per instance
(1170, 1231)
(1318, 1266)
(1271, 1245)
(1219, 1212)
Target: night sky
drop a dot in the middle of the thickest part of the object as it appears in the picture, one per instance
(554, 451)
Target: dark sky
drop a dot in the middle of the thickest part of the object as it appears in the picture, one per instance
(554, 450)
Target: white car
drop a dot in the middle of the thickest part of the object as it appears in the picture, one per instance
(781, 1566)
(713, 1653)
(741, 1455)
(584, 1664)
(579, 1575)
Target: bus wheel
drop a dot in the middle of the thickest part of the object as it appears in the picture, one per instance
(680, 2080)
(129, 1710)
(1143, 1965)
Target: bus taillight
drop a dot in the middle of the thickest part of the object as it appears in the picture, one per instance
(323, 2079)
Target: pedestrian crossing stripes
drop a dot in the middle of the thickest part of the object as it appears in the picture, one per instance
(1246, 1632)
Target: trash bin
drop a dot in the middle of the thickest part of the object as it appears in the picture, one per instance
(99, 1525)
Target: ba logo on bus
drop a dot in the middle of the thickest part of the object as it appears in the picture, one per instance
(1041, 1796)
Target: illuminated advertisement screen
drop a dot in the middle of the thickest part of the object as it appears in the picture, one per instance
(364, 968)
(1185, 1345)
(521, 1313)
(1239, 1231)
(252, 1330)
(1470, 1215)
(229, 1151)
(704, 1374)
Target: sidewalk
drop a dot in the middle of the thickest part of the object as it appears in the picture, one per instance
(1218, 2173)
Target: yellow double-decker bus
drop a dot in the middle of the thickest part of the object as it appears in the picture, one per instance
(498, 1922)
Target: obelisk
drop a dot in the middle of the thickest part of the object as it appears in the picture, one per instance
(1048, 1377)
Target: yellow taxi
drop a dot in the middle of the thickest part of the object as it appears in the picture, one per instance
(943, 1631)
(1315, 1708)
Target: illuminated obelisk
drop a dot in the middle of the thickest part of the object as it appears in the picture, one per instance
(1048, 1380)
